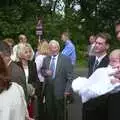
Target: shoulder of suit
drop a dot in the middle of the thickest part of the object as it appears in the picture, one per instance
(16, 67)
(106, 57)
(47, 57)
(64, 57)
(31, 62)
(92, 57)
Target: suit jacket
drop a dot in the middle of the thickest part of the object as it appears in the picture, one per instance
(103, 63)
(17, 75)
(33, 77)
(63, 77)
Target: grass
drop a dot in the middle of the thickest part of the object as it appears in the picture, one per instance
(82, 63)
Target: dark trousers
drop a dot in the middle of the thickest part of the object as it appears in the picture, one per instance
(40, 104)
(114, 106)
(54, 106)
(95, 109)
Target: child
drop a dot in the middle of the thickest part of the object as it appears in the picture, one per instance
(101, 81)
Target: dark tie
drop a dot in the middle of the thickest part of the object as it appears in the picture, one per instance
(95, 65)
(52, 67)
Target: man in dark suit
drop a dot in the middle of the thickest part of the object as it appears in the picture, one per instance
(17, 74)
(95, 109)
(101, 59)
(57, 81)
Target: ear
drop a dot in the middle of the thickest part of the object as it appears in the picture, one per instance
(107, 46)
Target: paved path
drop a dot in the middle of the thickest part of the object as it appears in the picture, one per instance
(75, 112)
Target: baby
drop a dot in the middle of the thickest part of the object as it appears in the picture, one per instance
(101, 81)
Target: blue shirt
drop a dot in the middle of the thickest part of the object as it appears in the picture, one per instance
(69, 50)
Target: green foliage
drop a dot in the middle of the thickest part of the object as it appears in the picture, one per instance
(95, 16)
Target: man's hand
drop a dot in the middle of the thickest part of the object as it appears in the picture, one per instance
(49, 72)
(68, 96)
(114, 81)
(117, 74)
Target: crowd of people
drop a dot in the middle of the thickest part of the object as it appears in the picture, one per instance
(35, 84)
(100, 90)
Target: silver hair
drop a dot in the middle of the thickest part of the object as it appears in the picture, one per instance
(20, 49)
(55, 43)
(116, 52)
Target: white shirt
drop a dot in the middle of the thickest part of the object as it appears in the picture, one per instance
(100, 58)
(56, 59)
(99, 83)
(30, 88)
(12, 103)
(39, 61)
(26, 73)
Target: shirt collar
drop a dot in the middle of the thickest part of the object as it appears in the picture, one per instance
(67, 42)
(55, 56)
(101, 57)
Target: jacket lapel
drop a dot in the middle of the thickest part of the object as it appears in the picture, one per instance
(58, 65)
(48, 61)
(102, 62)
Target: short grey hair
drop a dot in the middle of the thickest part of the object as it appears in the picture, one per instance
(115, 52)
(55, 42)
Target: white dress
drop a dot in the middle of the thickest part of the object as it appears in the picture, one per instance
(12, 103)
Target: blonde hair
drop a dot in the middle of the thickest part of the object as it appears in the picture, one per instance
(43, 48)
(21, 48)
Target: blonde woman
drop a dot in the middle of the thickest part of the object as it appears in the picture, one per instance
(24, 60)
(43, 51)
(38, 50)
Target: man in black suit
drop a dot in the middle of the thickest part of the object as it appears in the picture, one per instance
(95, 109)
(58, 78)
(101, 59)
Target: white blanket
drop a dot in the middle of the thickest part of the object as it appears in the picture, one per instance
(99, 83)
